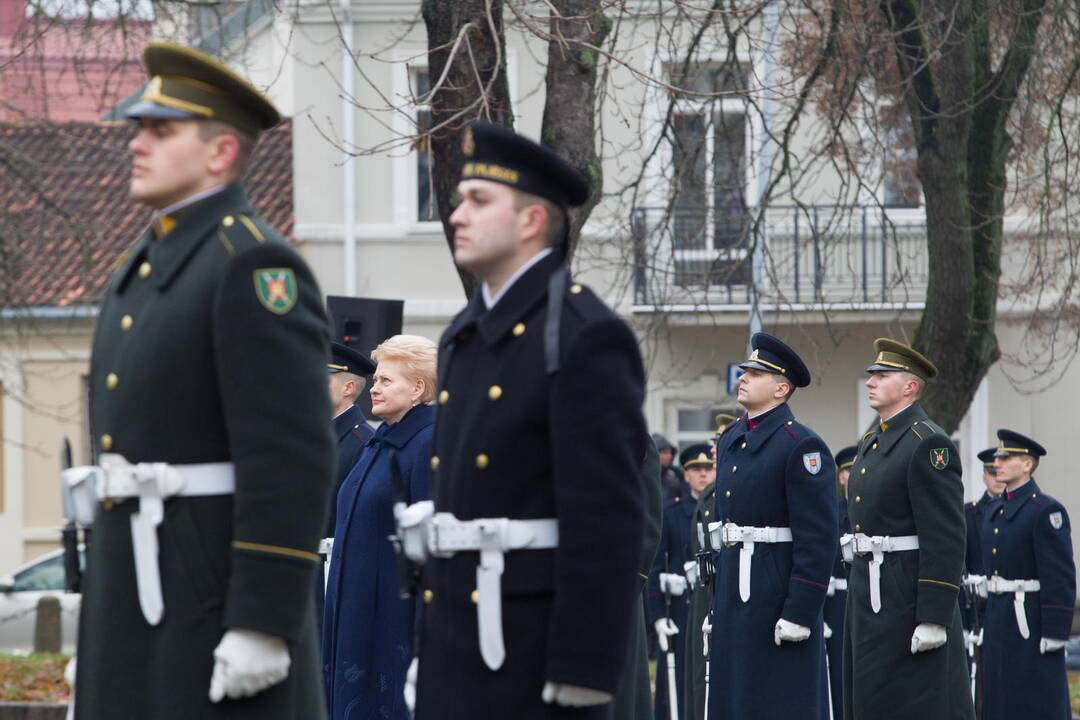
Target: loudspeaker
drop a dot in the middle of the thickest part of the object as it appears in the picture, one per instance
(363, 323)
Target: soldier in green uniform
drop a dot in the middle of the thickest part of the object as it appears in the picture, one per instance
(700, 598)
(904, 655)
(208, 404)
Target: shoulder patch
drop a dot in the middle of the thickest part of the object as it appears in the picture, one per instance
(939, 458)
(1056, 520)
(812, 462)
(276, 289)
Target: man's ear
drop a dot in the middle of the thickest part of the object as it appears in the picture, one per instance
(224, 151)
(535, 221)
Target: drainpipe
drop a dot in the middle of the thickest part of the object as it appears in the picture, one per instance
(348, 124)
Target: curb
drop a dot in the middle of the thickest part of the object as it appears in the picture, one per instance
(32, 711)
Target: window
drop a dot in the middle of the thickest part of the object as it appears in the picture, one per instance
(900, 180)
(697, 424)
(427, 209)
(47, 575)
(710, 222)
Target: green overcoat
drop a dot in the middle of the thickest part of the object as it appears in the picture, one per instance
(906, 481)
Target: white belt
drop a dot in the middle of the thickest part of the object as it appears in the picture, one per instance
(836, 585)
(877, 545)
(999, 586)
(153, 483)
(729, 533)
(493, 538)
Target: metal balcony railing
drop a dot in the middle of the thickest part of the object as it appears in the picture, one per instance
(812, 256)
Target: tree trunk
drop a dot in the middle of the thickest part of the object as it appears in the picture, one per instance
(569, 124)
(475, 86)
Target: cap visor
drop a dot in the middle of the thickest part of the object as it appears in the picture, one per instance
(882, 368)
(146, 109)
(753, 365)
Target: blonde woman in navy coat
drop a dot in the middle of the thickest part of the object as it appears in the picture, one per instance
(367, 627)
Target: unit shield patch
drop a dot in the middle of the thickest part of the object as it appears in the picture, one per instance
(276, 289)
(939, 458)
(812, 462)
(1056, 520)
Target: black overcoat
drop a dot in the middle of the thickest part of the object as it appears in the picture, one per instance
(906, 481)
(189, 365)
(693, 707)
(513, 441)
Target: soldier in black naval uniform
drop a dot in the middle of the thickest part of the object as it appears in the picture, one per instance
(1031, 590)
(776, 532)
(538, 447)
(207, 377)
(973, 601)
(836, 597)
(904, 655)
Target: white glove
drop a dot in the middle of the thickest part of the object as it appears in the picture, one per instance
(672, 583)
(706, 632)
(665, 628)
(976, 583)
(970, 640)
(978, 640)
(789, 632)
(573, 696)
(247, 662)
(690, 571)
(928, 636)
(410, 685)
(1049, 645)
(827, 632)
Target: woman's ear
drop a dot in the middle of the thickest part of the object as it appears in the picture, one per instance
(418, 390)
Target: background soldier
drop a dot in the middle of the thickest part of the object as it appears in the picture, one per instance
(668, 577)
(905, 480)
(197, 597)
(1031, 584)
(973, 605)
(776, 495)
(528, 428)
(836, 597)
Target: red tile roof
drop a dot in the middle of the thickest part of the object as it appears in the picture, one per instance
(65, 216)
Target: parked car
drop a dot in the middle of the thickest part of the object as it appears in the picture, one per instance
(19, 595)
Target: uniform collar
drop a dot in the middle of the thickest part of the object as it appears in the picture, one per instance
(169, 256)
(527, 291)
(986, 499)
(1013, 501)
(346, 421)
(897, 426)
(764, 426)
(491, 300)
(400, 433)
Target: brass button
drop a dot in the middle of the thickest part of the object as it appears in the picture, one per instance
(228, 221)
(743, 446)
(519, 330)
(575, 289)
(734, 468)
(995, 572)
(706, 513)
(126, 322)
(494, 392)
(475, 597)
(858, 528)
(1001, 511)
(482, 461)
(858, 499)
(106, 442)
(862, 471)
(434, 462)
(144, 270)
(444, 397)
(111, 381)
(428, 596)
(993, 551)
(107, 503)
(727, 493)
(874, 446)
(995, 531)
(790, 421)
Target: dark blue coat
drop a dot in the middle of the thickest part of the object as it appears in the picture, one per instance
(672, 552)
(352, 433)
(835, 605)
(1026, 536)
(974, 512)
(766, 477)
(367, 627)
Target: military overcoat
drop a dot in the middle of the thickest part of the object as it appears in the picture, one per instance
(210, 347)
(671, 554)
(780, 474)
(700, 600)
(513, 441)
(906, 481)
(1026, 535)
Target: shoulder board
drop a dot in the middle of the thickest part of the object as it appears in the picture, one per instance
(925, 431)
(864, 437)
(238, 233)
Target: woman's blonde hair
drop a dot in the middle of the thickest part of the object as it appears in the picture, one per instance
(416, 354)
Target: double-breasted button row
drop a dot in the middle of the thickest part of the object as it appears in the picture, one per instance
(494, 393)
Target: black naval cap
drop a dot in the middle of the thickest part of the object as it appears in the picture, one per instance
(697, 455)
(344, 359)
(893, 356)
(1013, 443)
(845, 458)
(772, 355)
(185, 84)
(497, 153)
(986, 457)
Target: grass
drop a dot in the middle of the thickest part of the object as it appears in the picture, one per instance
(33, 678)
(1074, 692)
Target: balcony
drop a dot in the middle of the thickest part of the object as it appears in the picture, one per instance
(814, 257)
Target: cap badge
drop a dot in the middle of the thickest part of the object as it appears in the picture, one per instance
(812, 462)
(276, 289)
(468, 144)
(754, 355)
(939, 458)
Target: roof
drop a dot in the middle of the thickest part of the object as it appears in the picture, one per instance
(65, 216)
